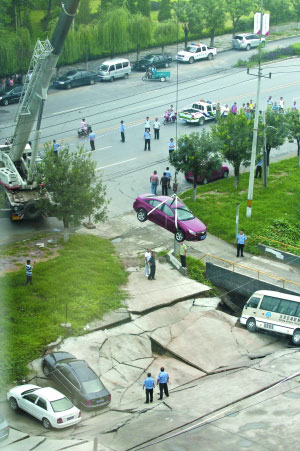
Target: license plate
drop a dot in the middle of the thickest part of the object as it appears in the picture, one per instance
(16, 217)
(202, 237)
(70, 418)
(268, 326)
(99, 401)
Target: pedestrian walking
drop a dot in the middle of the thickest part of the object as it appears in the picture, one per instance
(162, 380)
(28, 273)
(169, 175)
(147, 123)
(92, 137)
(147, 138)
(164, 181)
(156, 127)
(234, 108)
(122, 130)
(55, 147)
(171, 146)
(258, 168)
(182, 253)
(152, 264)
(149, 385)
(240, 239)
(147, 265)
(154, 182)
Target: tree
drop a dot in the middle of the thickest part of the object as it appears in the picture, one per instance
(234, 137)
(140, 32)
(296, 9)
(214, 13)
(276, 131)
(131, 6)
(143, 6)
(293, 122)
(85, 35)
(190, 16)
(23, 49)
(5, 16)
(75, 189)
(279, 10)
(83, 16)
(196, 153)
(238, 8)
(165, 32)
(164, 10)
(114, 29)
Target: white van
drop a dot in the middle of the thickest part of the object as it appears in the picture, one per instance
(274, 312)
(117, 68)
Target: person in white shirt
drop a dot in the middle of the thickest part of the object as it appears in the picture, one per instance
(281, 104)
(147, 123)
(156, 127)
(147, 266)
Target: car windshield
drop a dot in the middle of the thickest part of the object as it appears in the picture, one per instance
(60, 405)
(148, 57)
(104, 67)
(93, 386)
(184, 214)
(70, 73)
(239, 38)
(191, 49)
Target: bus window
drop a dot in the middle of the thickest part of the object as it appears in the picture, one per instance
(253, 302)
(287, 307)
(270, 304)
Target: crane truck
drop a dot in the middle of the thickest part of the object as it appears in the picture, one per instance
(19, 160)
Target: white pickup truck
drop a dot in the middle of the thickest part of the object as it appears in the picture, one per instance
(202, 111)
(195, 52)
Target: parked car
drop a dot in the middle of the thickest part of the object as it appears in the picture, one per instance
(75, 78)
(46, 404)
(153, 59)
(195, 52)
(222, 172)
(11, 96)
(77, 379)
(112, 69)
(246, 41)
(188, 227)
(4, 429)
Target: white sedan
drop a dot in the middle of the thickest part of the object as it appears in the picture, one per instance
(48, 405)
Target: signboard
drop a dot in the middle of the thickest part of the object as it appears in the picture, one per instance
(265, 24)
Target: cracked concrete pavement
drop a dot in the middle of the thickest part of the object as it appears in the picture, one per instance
(229, 389)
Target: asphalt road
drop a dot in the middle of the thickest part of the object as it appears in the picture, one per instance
(126, 167)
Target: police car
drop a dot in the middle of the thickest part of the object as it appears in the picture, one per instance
(194, 52)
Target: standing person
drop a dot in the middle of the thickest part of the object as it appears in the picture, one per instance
(154, 182)
(234, 108)
(169, 175)
(162, 380)
(149, 384)
(156, 127)
(294, 107)
(251, 106)
(243, 108)
(240, 239)
(28, 272)
(6, 142)
(225, 110)
(147, 123)
(152, 266)
(55, 147)
(147, 266)
(164, 181)
(281, 105)
(122, 130)
(258, 168)
(182, 253)
(147, 138)
(171, 146)
(218, 111)
(92, 137)
(270, 102)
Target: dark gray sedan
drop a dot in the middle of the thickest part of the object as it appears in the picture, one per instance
(76, 379)
(75, 78)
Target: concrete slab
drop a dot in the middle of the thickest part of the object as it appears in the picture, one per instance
(14, 436)
(282, 363)
(109, 320)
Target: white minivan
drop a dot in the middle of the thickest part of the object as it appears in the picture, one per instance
(273, 311)
(112, 69)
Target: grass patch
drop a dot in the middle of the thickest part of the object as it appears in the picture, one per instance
(85, 280)
(196, 271)
(273, 55)
(278, 204)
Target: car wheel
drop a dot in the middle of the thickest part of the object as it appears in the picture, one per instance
(248, 47)
(46, 369)
(204, 181)
(191, 60)
(46, 423)
(126, 76)
(162, 78)
(92, 81)
(210, 56)
(251, 325)
(142, 215)
(5, 102)
(13, 403)
(296, 337)
(69, 86)
(201, 121)
(144, 78)
(165, 123)
(167, 65)
(225, 174)
(179, 235)
(111, 79)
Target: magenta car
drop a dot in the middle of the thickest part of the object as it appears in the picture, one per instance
(188, 227)
(223, 172)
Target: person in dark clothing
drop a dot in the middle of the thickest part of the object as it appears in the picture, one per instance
(162, 380)
(258, 169)
(149, 384)
(152, 266)
(164, 181)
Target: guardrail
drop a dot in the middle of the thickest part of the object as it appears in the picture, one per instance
(257, 271)
(284, 245)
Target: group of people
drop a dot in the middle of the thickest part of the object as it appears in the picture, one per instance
(249, 107)
(162, 382)
(150, 71)
(150, 264)
(10, 82)
(165, 182)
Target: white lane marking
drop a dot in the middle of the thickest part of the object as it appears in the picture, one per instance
(114, 164)
(68, 111)
(102, 148)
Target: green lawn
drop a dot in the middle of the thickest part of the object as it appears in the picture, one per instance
(85, 280)
(275, 212)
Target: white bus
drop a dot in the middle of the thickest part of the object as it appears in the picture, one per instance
(274, 312)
